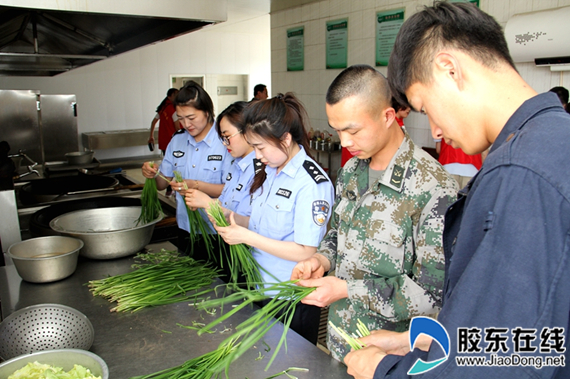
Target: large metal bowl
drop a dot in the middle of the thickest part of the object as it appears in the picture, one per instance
(108, 233)
(64, 358)
(45, 259)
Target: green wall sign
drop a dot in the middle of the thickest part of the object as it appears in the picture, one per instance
(337, 43)
(388, 24)
(296, 49)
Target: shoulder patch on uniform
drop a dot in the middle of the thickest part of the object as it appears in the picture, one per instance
(257, 165)
(315, 172)
(320, 211)
(178, 153)
(397, 176)
(180, 131)
(229, 177)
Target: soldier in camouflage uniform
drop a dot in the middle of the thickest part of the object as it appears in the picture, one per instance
(385, 239)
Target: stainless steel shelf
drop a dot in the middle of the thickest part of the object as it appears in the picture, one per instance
(116, 138)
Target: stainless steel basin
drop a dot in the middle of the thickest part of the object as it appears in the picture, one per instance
(45, 259)
(107, 233)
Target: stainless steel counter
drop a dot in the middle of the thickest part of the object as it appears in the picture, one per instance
(139, 343)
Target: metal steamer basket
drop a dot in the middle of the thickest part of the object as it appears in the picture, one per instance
(44, 327)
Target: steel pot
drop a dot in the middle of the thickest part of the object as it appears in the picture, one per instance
(45, 259)
(108, 233)
(78, 158)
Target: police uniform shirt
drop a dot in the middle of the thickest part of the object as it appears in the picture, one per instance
(235, 195)
(294, 205)
(207, 161)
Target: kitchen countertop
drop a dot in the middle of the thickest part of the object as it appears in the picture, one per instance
(139, 343)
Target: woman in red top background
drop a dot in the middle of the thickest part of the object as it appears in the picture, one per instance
(166, 114)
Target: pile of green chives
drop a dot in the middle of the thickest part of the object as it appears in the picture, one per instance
(154, 284)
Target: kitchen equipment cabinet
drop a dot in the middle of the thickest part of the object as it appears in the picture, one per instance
(44, 126)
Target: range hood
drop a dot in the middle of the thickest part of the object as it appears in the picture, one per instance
(49, 37)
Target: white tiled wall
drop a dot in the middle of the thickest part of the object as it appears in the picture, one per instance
(312, 83)
(123, 92)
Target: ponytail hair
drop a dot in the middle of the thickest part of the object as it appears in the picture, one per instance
(271, 119)
(163, 103)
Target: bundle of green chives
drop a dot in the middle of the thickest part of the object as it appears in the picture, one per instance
(240, 256)
(280, 308)
(197, 223)
(155, 284)
(196, 368)
(353, 341)
(150, 205)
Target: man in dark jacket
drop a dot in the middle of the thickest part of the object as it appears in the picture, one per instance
(506, 301)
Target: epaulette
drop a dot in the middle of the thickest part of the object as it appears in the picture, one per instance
(257, 165)
(180, 131)
(315, 172)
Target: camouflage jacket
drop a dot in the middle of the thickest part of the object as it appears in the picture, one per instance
(386, 242)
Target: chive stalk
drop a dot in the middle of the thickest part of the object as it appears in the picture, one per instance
(240, 256)
(195, 368)
(197, 224)
(286, 372)
(150, 205)
(280, 308)
(353, 341)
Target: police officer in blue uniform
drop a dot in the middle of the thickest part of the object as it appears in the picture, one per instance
(235, 196)
(291, 198)
(198, 154)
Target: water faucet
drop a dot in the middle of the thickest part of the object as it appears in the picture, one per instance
(31, 170)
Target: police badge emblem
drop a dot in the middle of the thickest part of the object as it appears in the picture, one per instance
(320, 211)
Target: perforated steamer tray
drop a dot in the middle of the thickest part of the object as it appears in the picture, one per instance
(44, 327)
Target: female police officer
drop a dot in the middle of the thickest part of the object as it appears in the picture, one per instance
(291, 198)
(198, 154)
(235, 196)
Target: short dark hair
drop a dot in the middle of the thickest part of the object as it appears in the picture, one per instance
(562, 94)
(234, 114)
(397, 106)
(462, 26)
(258, 88)
(360, 80)
(193, 95)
